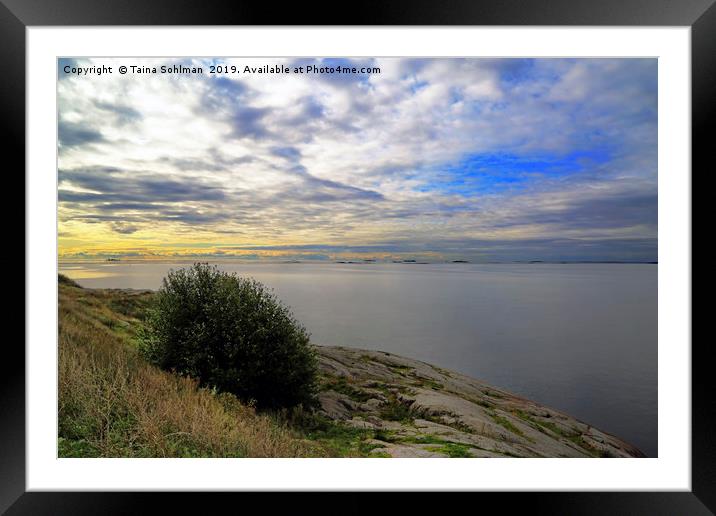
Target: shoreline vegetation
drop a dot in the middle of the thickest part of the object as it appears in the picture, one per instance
(113, 403)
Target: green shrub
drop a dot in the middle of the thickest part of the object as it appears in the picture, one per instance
(233, 334)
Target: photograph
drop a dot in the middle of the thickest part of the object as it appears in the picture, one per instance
(359, 257)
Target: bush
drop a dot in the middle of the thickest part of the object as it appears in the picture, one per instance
(233, 334)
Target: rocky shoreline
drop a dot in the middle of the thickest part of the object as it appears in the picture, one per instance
(419, 410)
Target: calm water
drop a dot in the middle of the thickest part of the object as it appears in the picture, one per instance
(581, 338)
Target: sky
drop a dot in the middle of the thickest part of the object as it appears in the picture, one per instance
(428, 159)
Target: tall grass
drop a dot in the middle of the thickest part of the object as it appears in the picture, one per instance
(113, 404)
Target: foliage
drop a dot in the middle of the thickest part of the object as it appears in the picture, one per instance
(113, 404)
(337, 439)
(341, 385)
(232, 334)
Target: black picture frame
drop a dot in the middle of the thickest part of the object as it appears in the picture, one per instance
(17, 15)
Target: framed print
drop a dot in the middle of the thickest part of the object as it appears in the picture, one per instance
(435, 250)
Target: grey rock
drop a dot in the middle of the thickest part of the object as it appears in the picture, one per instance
(432, 410)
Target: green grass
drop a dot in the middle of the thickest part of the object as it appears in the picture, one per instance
(338, 439)
(341, 385)
(111, 403)
(454, 423)
(399, 369)
(75, 448)
(425, 439)
(506, 423)
(575, 436)
(452, 450)
(481, 402)
(444, 446)
(388, 390)
(539, 425)
(341, 440)
(384, 435)
(394, 410)
(64, 280)
(555, 429)
(442, 371)
(578, 439)
(430, 384)
(132, 305)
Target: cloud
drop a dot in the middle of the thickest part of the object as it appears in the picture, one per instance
(123, 114)
(115, 185)
(229, 100)
(123, 228)
(73, 135)
(289, 153)
(214, 161)
(248, 122)
(481, 157)
(222, 93)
